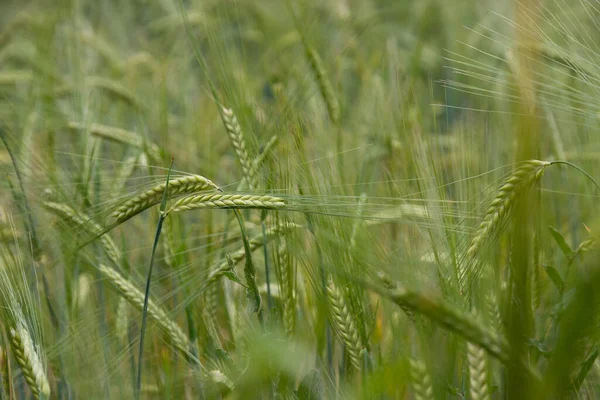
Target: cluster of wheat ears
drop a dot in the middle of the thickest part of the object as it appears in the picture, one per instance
(320, 260)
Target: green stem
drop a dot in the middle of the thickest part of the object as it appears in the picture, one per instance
(161, 220)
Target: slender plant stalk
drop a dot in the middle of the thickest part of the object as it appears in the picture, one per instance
(161, 219)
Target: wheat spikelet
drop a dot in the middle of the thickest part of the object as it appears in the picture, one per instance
(87, 224)
(494, 314)
(421, 382)
(122, 321)
(220, 200)
(29, 361)
(153, 196)
(234, 130)
(119, 135)
(136, 298)
(498, 212)
(125, 172)
(286, 287)
(344, 323)
(333, 107)
(478, 384)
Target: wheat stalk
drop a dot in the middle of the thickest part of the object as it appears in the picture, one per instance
(87, 224)
(234, 130)
(136, 298)
(421, 382)
(29, 361)
(344, 323)
(477, 361)
(142, 201)
(220, 200)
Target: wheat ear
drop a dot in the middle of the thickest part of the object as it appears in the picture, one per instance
(478, 383)
(153, 196)
(119, 135)
(136, 298)
(286, 287)
(122, 320)
(234, 130)
(421, 382)
(498, 212)
(220, 200)
(29, 361)
(333, 107)
(344, 323)
(467, 326)
(87, 224)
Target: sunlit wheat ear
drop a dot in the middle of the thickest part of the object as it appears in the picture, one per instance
(234, 130)
(421, 382)
(256, 242)
(220, 200)
(344, 323)
(325, 87)
(29, 361)
(142, 201)
(478, 380)
(85, 223)
(121, 136)
(136, 298)
(498, 212)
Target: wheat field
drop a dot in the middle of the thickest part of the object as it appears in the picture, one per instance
(299, 199)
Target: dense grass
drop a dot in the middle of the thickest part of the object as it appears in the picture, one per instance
(367, 199)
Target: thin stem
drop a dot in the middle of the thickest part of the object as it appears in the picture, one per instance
(161, 220)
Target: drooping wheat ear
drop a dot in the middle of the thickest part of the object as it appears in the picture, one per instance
(498, 212)
(343, 323)
(122, 321)
(325, 87)
(153, 196)
(421, 382)
(478, 379)
(85, 223)
(121, 136)
(466, 325)
(220, 200)
(254, 243)
(29, 361)
(391, 285)
(115, 89)
(286, 287)
(136, 298)
(234, 130)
